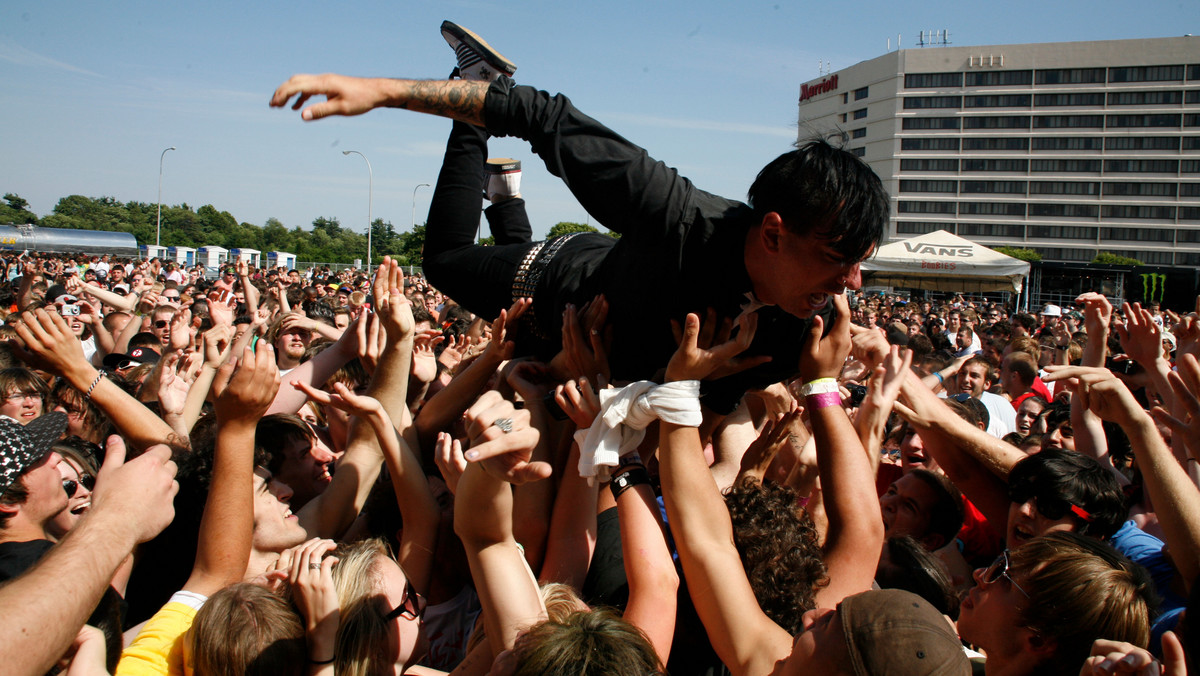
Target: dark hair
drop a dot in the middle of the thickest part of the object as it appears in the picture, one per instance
(274, 432)
(585, 643)
(827, 191)
(1024, 320)
(921, 347)
(989, 373)
(913, 568)
(778, 545)
(946, 516)
(1076, 479)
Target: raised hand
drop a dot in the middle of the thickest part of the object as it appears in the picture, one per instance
(1140, 336)
(49, 343)
(502, 441)
(586, 358)
(393, 308)
(774, 435)
(342, 398)
(311, 579)
(217, 344)
(344, 95)
(1185, 383)
(824, 357)
(245, 390)
(140, 493)
(701, 353)
(450, 461)
(500, 346)
(424, 366)
(579, 402)
(1099, 391)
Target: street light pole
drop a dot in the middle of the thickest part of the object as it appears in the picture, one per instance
(414, 206)
(158, 226)
(370, 190)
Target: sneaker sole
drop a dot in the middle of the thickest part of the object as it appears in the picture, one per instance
(494, 58)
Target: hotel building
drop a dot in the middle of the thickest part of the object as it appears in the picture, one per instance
(1068, 148)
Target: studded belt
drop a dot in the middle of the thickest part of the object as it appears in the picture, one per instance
(529, 273)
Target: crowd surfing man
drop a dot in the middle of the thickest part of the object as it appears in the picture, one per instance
(813, 215)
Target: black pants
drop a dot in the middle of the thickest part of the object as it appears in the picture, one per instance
(477, 277)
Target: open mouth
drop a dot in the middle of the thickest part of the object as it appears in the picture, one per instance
(79, 511)
(1021, 535)
(818, 301)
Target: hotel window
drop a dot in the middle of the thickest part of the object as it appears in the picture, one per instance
(1191, 142)
(1191, 120)
(996, 144)
(1141, 166)
(1010, 187)
(1189, 189)
(1137, 211)
(1065, 166)
(860, 113)
(1189, 213)
(1140, 189)
(1070, 76)
(1137, 234)
(1161, 120)
(995, 165)
(1141, 143)
(1062, 232)
(1068, 121)
(1193, 72)
(1191, 96)
(932, 80)
(991, 229)
(1064, 210)
(905, 207)
(1064, 188)
(930, 123)
(922, 102)
(928, 186)
(1065, 254)
(921, 227)
(1182, 235)
(859, 133)
(1145, 74)
(997, 122)
(1078, 99)
(1144, 98)
(1001, 101)
(858, 152)
(860, 94)
(992, 208)
(928, 164)
(999, 78)
(929, 144)
(1068, 143)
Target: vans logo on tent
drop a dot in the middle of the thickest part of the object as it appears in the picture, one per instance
(939, 250)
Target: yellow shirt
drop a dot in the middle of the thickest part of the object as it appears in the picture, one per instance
(158, 648)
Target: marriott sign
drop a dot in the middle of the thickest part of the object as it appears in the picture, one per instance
(824, 86)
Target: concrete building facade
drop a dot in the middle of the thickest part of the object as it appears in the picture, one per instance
(1069, 149)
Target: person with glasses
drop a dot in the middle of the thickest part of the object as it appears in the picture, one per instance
(78, 469)
(24, 394)
(1039, 608)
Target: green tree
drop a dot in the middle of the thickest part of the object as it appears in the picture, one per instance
(1106, 258)
(1020, 254)
(567, 227)
(384, 239)
(16, 210)
(409, 246)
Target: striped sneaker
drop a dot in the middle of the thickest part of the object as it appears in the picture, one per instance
(477, 60)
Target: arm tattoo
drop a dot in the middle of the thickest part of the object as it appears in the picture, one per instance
(455, 99)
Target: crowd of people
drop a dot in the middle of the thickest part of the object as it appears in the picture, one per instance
(534, 463)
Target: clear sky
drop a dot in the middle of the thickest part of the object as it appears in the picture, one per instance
(94, 91)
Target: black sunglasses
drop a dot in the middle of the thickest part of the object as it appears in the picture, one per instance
(161, 323)
(1050, 506)
(999, 569)
(412, 607)
(70, 487)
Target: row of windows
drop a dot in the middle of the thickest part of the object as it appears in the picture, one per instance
(1001, 78)
(1049, 121)
(1058, 232)
(1094, 99)
(1093, 188)
(1107, 211)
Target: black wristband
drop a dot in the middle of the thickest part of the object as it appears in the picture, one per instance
(634, 476)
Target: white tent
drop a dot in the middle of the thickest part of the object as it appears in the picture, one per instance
(941, 261)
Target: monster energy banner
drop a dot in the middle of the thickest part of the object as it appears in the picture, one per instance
(1153, 287)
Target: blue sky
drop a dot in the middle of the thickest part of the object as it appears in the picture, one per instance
(93, 92)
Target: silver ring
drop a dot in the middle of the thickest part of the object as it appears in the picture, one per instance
(315, 566)
(505, 424)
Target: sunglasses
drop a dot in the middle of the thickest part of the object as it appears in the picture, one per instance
(86, 480)
(999, 569)
(1049, 506)
(161, 324)
(412, 607)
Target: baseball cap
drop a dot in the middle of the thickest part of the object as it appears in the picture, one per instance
(892, 632)
(1052, 311)
(138, 355)
(22, 446)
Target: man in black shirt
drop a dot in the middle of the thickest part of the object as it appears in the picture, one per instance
(814, 214)
(31, 490)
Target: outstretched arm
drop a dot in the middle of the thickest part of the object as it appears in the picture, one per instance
(460, 100)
